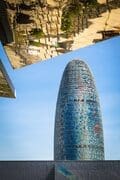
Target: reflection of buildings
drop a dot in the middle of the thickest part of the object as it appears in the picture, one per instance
(78, 124)
(54, 27)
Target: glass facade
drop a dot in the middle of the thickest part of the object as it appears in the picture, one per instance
(78, 123)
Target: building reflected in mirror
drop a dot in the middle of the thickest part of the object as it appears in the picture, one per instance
(36, 30)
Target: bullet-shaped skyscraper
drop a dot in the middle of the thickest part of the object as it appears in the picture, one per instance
(78, 124)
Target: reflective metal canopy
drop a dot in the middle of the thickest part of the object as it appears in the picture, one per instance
(6, 87)
(36, 30)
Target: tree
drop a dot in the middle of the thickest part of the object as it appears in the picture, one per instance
(37, 33)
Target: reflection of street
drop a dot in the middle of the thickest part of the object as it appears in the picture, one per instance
(5, 30)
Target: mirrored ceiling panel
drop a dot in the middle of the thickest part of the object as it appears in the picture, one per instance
(35, 30)
(6, 87)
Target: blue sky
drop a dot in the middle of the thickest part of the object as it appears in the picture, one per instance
(27, 122)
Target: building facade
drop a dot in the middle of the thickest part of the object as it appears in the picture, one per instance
(78, 123)
(59, 170)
